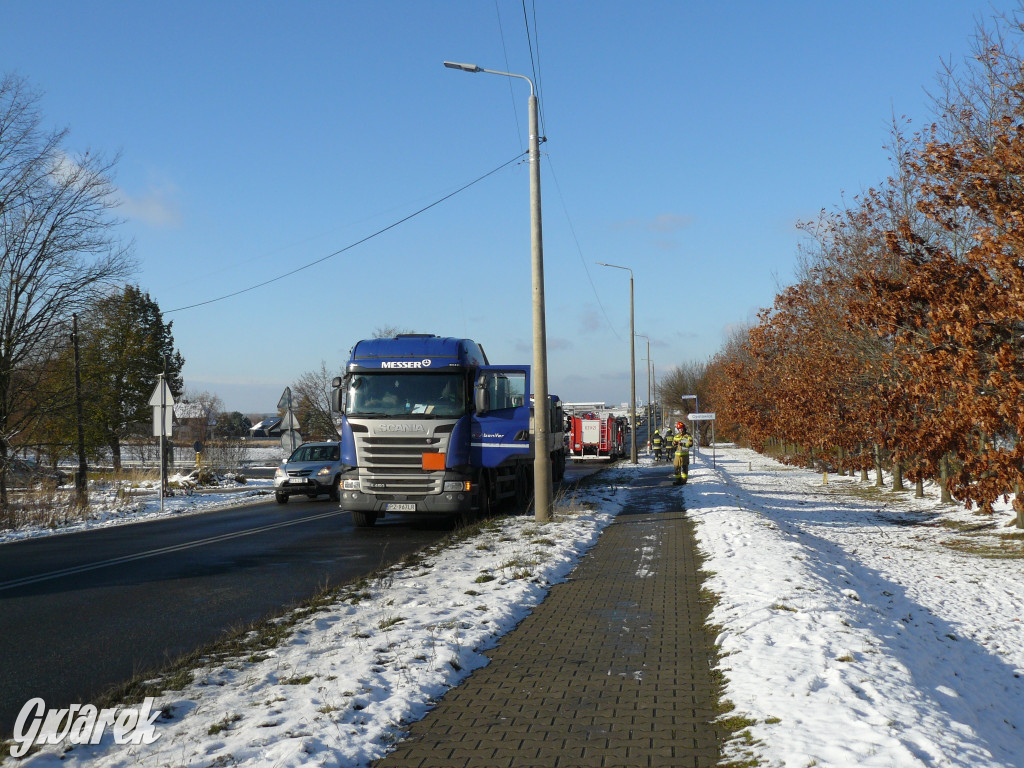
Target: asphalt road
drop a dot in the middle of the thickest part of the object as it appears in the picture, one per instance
(82, 612)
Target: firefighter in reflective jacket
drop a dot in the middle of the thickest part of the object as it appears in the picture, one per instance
(657, 443)
(681, 462)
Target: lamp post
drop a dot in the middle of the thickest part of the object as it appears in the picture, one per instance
(632, 366)
(648, 389)
(654, 396)
(541, 407)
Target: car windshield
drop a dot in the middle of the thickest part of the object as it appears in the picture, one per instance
(315, 453)
(428, 395)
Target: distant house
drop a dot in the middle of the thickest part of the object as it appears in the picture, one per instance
(268, 427)
(195, 421)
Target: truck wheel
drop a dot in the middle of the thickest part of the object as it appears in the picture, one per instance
(336, 489)
(558, 467)
(281, 498)
(363, 519)
(484, 509)
(522, 491)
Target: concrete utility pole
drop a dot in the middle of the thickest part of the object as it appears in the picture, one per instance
(632, 366)
(81, 480)
(542, 403)
(650, 430)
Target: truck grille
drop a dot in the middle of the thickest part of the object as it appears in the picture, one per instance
(394, 465)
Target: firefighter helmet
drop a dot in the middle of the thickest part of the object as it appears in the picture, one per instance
(679, 425)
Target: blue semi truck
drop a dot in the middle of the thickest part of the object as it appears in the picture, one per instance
(429, 427)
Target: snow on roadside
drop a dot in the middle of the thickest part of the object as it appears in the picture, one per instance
(106, 508)
(338, 690)
(850, 633)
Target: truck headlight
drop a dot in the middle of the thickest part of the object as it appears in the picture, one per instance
(457, 486)
(350, 485)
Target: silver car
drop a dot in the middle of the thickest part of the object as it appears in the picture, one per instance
(312, 469)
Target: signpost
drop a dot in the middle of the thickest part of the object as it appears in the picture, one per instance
(706, 417)
(290, 436)
(163, 422)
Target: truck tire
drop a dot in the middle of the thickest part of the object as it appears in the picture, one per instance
(363, 519)
(522, 500)
(558, 467)
(484, 507)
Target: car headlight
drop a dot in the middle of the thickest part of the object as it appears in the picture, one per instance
(324, 471)
(280, 473)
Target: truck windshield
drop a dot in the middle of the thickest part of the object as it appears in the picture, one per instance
(428, 395)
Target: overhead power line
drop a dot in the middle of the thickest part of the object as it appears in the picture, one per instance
(579, 250)
(351, 245)
(511, 91)
(534, 60)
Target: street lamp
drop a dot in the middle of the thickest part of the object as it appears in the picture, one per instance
(649, 423)
(632, 365)
(541, 406)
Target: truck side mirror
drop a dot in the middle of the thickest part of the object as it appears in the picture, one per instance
(480, 397)
(338, 395)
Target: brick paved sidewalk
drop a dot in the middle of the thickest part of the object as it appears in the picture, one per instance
(612, 669)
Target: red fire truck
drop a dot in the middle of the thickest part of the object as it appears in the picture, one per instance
(593, 436)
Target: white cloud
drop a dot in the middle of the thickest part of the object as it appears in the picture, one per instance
(157, 206)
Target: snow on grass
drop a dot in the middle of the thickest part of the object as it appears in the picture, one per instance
(855, 629)
(108, 506)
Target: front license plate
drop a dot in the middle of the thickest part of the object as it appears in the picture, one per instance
(399, 507)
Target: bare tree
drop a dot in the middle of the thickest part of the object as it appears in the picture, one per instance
(389, 331)
(57, 254)
(312, 393)
(200, 409)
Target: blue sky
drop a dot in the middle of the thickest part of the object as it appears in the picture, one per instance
(684, 140)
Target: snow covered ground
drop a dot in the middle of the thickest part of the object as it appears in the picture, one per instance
(107, 508)
(861, 628)
(858, 628)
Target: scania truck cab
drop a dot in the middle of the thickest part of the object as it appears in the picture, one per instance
(429, 427)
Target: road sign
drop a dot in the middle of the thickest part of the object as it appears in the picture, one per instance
(168, 399)
(290, 440)
(701, 417)
(288, 421)
(168, 421)
(286, 399)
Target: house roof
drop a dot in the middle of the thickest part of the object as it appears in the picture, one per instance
(184, 411)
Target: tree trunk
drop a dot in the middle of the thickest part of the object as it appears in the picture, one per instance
(3, 477)
(879, 481)
(1018, 505)
(919, 489)
(897, 476)
(946, 497)
(840, 470)
(115, 452)
(863, 469)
